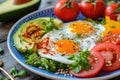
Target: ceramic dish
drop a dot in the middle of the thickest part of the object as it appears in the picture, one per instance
(20, 59)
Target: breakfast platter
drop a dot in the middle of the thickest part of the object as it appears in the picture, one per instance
(66, 48)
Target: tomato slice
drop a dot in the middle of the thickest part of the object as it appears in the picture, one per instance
(111, 54)
(97, 63)
(113, 38)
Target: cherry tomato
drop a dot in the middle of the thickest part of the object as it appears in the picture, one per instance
(113, 38)
(66, 10)
(113, 11)
(21, 1)
(111, 54)
(97, 63)
(92, 10)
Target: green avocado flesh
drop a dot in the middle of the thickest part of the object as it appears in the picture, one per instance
(28, 43)
(10, 11)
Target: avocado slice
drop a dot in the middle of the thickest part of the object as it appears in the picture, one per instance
(10, 11)
(29, 34)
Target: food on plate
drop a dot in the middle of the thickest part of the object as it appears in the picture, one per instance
(92, 8)
(77, 48)
(30, 33)
(10, 11)
(113, 10)
(66, 10)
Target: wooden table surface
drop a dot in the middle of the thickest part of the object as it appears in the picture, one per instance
(7, 59)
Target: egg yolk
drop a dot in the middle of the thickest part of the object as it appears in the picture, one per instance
(67, 47)
(82, 27)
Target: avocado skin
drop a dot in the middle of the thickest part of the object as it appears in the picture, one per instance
(17, 14)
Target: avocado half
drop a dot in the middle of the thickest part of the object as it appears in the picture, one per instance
(10, 11)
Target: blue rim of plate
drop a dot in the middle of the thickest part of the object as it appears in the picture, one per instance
(48, 12)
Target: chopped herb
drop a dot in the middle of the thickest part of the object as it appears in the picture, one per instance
(78, 35)
(99, 39)
(21, 73)
(113, 26)
(7, 79)
(65, 38)
(103, 22)
(81, 61)
(97, 28)
(13, 71)
(1, 78)
(99, 21)
(109, 32)
(90, 20)
(63, 55)
(77, 42)
(49, 65)
(33, 60)
(44, 23)
(50, 25)
(1, 51)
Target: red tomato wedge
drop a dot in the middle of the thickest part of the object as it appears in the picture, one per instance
(113, 38)
(97, 63)
(111, 54)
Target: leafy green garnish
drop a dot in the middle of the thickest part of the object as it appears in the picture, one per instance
(15, 73)
(1, 51)
(81, 61)
(91, 20)
(112, 26)
(1, 78)
(33, 59)
(103, 22)
(7, 79)
(50, 25)
(99, 39)
(99, 21)
(22, 73)
(78, 35)
(50, 65)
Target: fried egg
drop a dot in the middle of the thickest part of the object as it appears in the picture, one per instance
(69, 40)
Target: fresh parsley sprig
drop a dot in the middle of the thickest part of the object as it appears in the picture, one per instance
(50, 65)
(15, 73)
(50, 25)
(1, 50)
(81, 61)
(99, 21)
